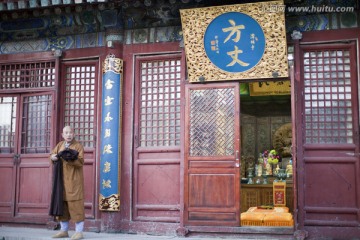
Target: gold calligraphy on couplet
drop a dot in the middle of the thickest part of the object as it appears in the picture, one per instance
(107, 149)
(108, 118)
(108, 101)
(109, 84)
(107, 167)
(107, 133)
(109, 199)
(106, 183)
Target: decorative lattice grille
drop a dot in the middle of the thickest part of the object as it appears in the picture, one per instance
(36, 124)
(327, 93)
(212, 126)
(7, 124)
(160, 103)
(80, 112)
(27, 75)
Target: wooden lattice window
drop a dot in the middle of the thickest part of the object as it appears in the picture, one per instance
(80, 111)
(27, 75)
(328, 97)
(160, 103)
(36, 124)
(7, 124)
(212, 125)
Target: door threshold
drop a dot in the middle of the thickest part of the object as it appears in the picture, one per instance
(242, 230)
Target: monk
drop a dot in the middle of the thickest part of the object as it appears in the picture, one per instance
(73, 181)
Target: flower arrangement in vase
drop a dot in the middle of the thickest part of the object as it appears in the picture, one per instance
(271, 158)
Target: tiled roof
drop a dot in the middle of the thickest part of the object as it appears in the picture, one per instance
(10, 5)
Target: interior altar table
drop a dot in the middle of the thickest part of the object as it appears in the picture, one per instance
(253, 195)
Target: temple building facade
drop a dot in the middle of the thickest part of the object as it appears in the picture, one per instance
(198, 118)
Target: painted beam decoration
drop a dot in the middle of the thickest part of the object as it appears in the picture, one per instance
(110, 156)
(235, 42)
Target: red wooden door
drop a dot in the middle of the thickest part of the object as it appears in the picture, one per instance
(8, 154)
(212, 155)
(328, 156)
(79, 109)
(24, 166)
(157, 146)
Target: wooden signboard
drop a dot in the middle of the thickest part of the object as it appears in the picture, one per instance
(234, 42)
(279, 194)
(269, 88)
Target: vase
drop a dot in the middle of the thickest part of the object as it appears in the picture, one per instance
(275, 170)
(265, 181)
(281, 175)
(250, 175)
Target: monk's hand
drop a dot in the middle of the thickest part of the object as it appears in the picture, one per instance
(54, 157)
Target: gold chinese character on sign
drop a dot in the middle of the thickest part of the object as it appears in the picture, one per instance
(234, 55)
(107, 149)
(106, 184)
(107, 167)
(233, 30)
(109, 84)
(108, 118)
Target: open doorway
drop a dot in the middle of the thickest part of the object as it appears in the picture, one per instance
(266, 135)
(225, 133)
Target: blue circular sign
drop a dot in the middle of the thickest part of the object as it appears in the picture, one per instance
(234, 42)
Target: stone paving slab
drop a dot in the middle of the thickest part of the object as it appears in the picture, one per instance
(25, 233)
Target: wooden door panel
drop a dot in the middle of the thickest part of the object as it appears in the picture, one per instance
(218, 185)
(7, 180)
(213, 193)
(329, 155)
(89, 180)
(208, 218)
(25, 140)
(212, 150)
(153, 177)
(157, 131)
(79, 95)
(8, 163)
(157, 186)
(34, 188)
(332, 174)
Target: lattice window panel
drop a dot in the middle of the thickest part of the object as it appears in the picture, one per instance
(80, 111)
(212, 126)
(27, 75)
(268, 198)
(327, 94)
(160, 103)
(251, 198)
(36, 124)
(8, 107)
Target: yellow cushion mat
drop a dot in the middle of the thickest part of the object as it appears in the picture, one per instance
(277, 217)
(274, 210)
